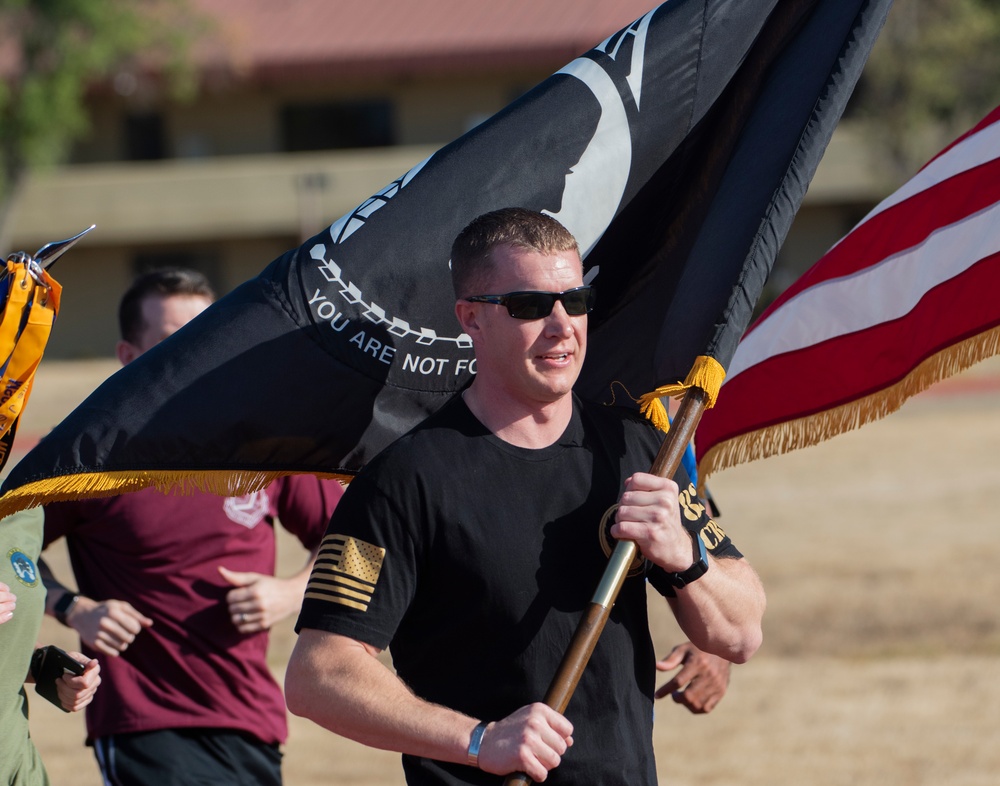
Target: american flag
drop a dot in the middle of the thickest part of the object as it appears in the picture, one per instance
(906, 299)
(346, 571)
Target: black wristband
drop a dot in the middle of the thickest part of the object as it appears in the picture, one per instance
(697, 570)
(64, 606)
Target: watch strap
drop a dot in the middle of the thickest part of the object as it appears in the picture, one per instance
(64, 606)
(697, 570)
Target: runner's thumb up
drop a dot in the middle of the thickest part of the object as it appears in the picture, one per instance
(236, 578)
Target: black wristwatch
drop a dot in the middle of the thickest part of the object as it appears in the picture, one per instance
(64, 606)
(697, 570)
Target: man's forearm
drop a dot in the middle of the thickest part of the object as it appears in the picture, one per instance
(55, 590)
(340, 685)
(722, 611)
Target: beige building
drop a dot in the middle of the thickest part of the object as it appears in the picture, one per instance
(305, 109)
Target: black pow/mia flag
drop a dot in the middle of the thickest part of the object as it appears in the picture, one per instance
(677, 152)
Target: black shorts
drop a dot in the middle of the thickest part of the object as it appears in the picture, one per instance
(170, 757)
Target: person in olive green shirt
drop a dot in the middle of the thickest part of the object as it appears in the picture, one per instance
(22, 605)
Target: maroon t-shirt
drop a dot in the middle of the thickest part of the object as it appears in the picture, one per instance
(161, 553)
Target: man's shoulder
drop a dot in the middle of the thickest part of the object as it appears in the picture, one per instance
(434, 447)
(619, 431)
(613, 416)
(451, 421)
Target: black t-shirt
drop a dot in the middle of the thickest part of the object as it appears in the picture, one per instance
(473, 559)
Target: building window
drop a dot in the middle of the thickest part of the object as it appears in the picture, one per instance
(145, 137)
(332, 126)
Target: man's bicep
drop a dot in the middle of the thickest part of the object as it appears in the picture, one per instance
(321, 665)
(323, 647)
(740, 569)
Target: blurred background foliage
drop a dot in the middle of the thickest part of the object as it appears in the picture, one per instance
(935, 70)
(53, 51)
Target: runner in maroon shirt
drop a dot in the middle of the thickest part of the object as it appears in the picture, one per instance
(176, 596)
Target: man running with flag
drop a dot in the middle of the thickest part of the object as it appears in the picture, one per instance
(472, 545)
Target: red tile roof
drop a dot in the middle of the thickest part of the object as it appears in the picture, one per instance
(321, 38)
(272, 40)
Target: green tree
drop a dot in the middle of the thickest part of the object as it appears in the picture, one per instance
(933, 73)
(53, 51)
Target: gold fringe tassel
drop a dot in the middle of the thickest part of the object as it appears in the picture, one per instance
(90, 485)
(706, 373)
(811, 430)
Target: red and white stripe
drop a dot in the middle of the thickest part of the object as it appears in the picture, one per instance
(913, 285)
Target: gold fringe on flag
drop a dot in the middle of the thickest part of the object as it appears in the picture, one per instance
(706, 373)
(90, 485)
(813, 429)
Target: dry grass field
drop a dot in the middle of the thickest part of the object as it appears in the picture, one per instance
(881, 662)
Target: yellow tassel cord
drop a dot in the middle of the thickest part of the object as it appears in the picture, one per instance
(110, 484)
(706, 373)
(811, 430)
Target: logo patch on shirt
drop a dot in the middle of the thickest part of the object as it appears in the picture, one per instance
(24, 568)
(248, 510)
(691, 506)
(346, 572)
(712, 534)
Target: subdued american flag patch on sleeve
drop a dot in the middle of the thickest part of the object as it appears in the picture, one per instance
(346, 572)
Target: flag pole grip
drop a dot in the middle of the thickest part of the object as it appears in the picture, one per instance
(595, 616)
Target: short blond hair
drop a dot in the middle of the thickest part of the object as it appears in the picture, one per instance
(471, 253)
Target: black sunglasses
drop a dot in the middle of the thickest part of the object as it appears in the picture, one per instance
(535, 305)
